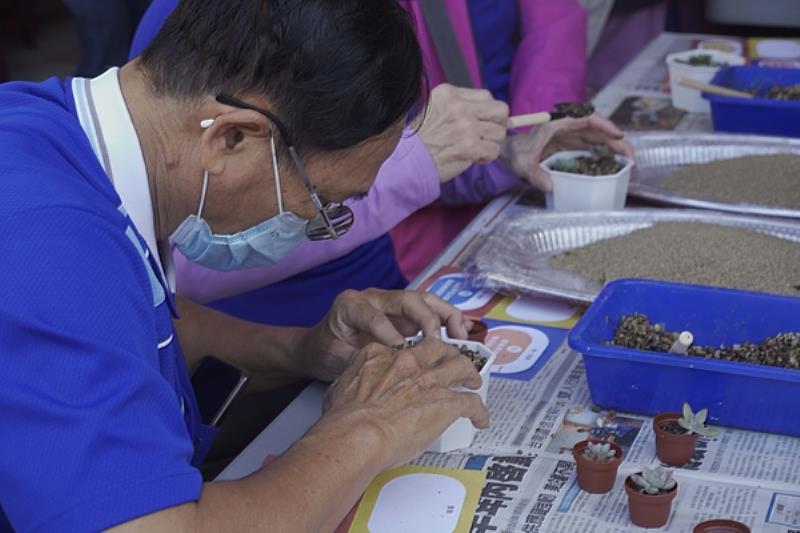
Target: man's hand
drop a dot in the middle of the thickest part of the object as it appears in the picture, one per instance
(461, 127)
(522, 153)
(404, 397)
(386, 317)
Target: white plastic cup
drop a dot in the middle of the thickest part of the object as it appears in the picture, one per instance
(576, 192)
(689, 99)
(461, 433)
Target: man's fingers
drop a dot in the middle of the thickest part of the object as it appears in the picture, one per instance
(454, 370)
(424, 310)
(541, 179)
(624, 148)
(594, 123)
(605, 125)
(474, 95)
(494, 111)
(362, 316)
(449, 315)
(468, 405)
(433, 353)
(418, 312)
(486, 152)
(491, 131)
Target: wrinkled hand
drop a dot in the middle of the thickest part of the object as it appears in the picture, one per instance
(357, 319)
(523, 153)
(461, 127)
(406, 396)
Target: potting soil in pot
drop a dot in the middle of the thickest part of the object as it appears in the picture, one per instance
(770, 180)
(637, 332)
(600, 163)
(477, 359)
(705, 254)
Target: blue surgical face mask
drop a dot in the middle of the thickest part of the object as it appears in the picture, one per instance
(262, 245)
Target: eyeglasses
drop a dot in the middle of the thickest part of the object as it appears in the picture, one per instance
(333, 220)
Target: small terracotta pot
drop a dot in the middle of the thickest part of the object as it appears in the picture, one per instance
(479, 331)
(649, 510)
(721, 526)
(675, 450)
(593, 476)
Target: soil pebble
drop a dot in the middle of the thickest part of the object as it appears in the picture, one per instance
(637, 332)
(698, 253)
(770, 180)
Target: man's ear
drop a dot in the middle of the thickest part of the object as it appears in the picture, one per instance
(224, 137)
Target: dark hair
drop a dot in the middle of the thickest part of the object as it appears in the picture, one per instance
(336, 72)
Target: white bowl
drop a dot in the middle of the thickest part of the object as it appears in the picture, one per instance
(687, 98)
(461, 433)
(576, 192)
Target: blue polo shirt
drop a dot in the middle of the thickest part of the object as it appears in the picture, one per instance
(99, 421)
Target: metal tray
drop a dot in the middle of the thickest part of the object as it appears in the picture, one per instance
(658, 154)
(514, 256)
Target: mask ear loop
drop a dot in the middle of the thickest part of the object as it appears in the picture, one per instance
(204, 124)
(275, 170)
(203, 193)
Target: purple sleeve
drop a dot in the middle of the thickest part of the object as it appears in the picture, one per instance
(479, 183)
(407, 181)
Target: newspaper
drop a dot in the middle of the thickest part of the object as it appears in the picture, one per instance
(750, 477)
(638, 98)
(531, 485)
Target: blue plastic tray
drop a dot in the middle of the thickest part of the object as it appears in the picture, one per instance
(742, 395)
(757, 115)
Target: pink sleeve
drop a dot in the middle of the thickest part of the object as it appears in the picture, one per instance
(407, 181)
(550, 61)
(549, 67)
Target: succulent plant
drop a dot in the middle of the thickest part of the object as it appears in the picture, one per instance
(654, 480)
(696, 423)
(599, 451)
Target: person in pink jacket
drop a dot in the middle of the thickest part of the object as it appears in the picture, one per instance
(545, 65)
(449, 156)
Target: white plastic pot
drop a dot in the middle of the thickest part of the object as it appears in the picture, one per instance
(576, 192)
(461, 433)
(686, 98)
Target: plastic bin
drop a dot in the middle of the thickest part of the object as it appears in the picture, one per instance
(757, 115)
(741, 395)
(575, 192)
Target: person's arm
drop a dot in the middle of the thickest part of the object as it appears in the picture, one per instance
(311, 487)
(480, 183)
(275, 356)
(265, 352)
(385, 408)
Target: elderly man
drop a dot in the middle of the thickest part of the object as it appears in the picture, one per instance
(233, 139)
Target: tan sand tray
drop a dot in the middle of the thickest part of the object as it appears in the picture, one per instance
(514, 257)
(658, 154)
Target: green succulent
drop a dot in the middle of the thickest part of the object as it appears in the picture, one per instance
(565, 165)
(696, 423)
(654, 480)
(599, 451)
